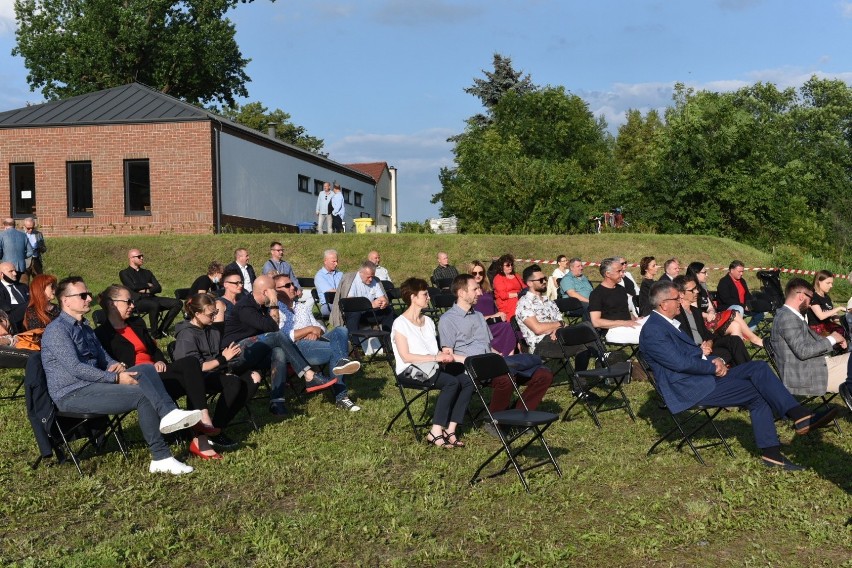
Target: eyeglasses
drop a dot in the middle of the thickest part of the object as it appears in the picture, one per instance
(234, 282)
(810, 296)
(128, 302)
(539, 280)
(690, 290)
(508, 264)
(82, 295)
(703, 271)
(286, 286)
(478, 272)
(213, 314)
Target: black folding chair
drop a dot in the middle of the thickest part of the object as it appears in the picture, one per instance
(57, 430)
(572, 310)
(307, 282)
(705, 416)
(183, 294)
(363, 305)
(816, 402)
(421, 390)
(511, 425)
(15, 359)
(608, 376)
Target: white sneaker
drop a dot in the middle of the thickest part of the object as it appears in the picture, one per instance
(169, 465)
(346, 403)
(179, 419)
(346, 367)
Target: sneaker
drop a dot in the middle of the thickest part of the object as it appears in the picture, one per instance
(179, 419)
(346, 367)
(319, 382)
(278, 408)
(346, 403)
(223, 441)
(169, 465)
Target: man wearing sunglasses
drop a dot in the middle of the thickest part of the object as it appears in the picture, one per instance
(144, 289)
(317, 346)
(82, 377)
(803, 356)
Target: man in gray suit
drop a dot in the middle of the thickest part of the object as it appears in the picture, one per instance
(802, 354)
(15, 247)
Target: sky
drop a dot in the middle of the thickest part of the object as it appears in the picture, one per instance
(383, 80)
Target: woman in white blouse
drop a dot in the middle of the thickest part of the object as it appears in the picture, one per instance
(415, 347)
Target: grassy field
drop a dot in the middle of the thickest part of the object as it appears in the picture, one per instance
(326, 488)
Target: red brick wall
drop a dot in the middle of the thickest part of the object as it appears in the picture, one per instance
(180, 161)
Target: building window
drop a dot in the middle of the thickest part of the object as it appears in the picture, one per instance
(22, 177)
(318, 183)
(79, 181)
(359, 199)
(304, 184)
(347, 196)
(137, 187)
(386, 207)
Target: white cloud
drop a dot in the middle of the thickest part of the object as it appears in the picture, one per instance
(845, 9)
(7, 17)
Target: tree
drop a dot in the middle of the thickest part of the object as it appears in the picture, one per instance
(185, 48)
(255, 115)
(502, 80)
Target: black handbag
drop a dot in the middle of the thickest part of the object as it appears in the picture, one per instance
(415, 373)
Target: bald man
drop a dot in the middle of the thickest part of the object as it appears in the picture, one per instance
(144, 289)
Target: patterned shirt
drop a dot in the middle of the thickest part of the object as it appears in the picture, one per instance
(295, 318)
(543, 309)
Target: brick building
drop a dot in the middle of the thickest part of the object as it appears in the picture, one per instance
(131, 160)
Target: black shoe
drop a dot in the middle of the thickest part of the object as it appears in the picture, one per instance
(846, 393)
(784, 464)
(586, 396)
(223, 441)
(278, 408)
(815, 420)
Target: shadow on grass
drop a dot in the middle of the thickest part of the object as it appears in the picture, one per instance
(816, 451)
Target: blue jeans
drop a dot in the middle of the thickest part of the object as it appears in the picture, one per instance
(272, 350)
(149, 398)
(756, 317)
(328, 352)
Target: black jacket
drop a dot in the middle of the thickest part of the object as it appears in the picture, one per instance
(139, 280)
(122, 350)
(726, 293)
(249, 269)
(247, 319)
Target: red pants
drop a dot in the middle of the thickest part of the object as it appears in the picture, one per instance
(536, 387)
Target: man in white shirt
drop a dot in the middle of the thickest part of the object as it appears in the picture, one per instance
(381, 272)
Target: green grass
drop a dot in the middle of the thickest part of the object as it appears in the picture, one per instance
(326, 488)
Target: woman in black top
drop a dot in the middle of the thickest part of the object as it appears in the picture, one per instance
(648, 266)
(821, 315)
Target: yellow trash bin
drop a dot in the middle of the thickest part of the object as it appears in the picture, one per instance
(361, 224)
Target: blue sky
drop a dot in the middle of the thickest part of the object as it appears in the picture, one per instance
(383, 80)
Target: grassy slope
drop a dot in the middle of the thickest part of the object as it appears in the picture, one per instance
(326, 488)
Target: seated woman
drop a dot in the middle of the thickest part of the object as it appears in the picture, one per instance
(507, 286)
(822, 314)
(40, 311)
(127, 340)
(721, 323)
(503, 338)
(11, 356)
(558, 272)
(232, 284)
(208, 282)
(415, 348)
(198, 338)
(648, 267)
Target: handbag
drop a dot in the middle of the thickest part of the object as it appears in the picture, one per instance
(415, 373)
(30, 340)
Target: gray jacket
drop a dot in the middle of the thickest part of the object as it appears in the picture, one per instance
(800, 354)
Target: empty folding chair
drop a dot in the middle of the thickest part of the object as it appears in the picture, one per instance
(695, 418)
(511, 425)
(608, 376)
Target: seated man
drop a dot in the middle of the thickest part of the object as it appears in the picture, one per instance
(363, 284)
(802, 355)
(208, 282)
(609, 306)
(671, 269)
(81, 377)
(463, 332)
(311, 339)
(327, 279)
(14, 297)
(576, 285)
(444, 270)
(241, 263)
(730, 348)
(685, 377)
(732, 293)
(253, 325)
(144, 288)
(381, 272)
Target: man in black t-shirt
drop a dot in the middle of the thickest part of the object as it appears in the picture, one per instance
(609, 308)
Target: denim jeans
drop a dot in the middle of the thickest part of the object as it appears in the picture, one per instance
(149, 398)
(273, 350)
(328, 352)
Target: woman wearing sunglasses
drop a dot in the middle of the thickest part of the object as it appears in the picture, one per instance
(503, 337)
(198, 338)
(127, 340)
(232, 282)
(507, 286)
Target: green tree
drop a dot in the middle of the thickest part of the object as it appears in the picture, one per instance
(185, 48)
(497, 83)
(256, 116)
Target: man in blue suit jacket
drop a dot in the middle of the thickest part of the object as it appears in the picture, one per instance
(686, 378)
(15, 247)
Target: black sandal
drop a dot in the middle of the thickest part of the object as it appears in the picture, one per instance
(448, 436)
(432, 439)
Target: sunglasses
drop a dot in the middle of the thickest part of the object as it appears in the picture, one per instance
(286, 286)
(82, 295)
(235, 282)
(539, 280)
(120, 300)
(478, 272)
(138, 256)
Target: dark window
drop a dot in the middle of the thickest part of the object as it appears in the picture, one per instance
(137, 187)
(22, 177)
(318, 183)
(304, 183)
(358, 198)
(347, 196)
(386, 210)
(79, 181)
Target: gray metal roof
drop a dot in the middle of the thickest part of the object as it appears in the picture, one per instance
(130, 103)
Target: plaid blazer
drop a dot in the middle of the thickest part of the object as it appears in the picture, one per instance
(799, 353)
